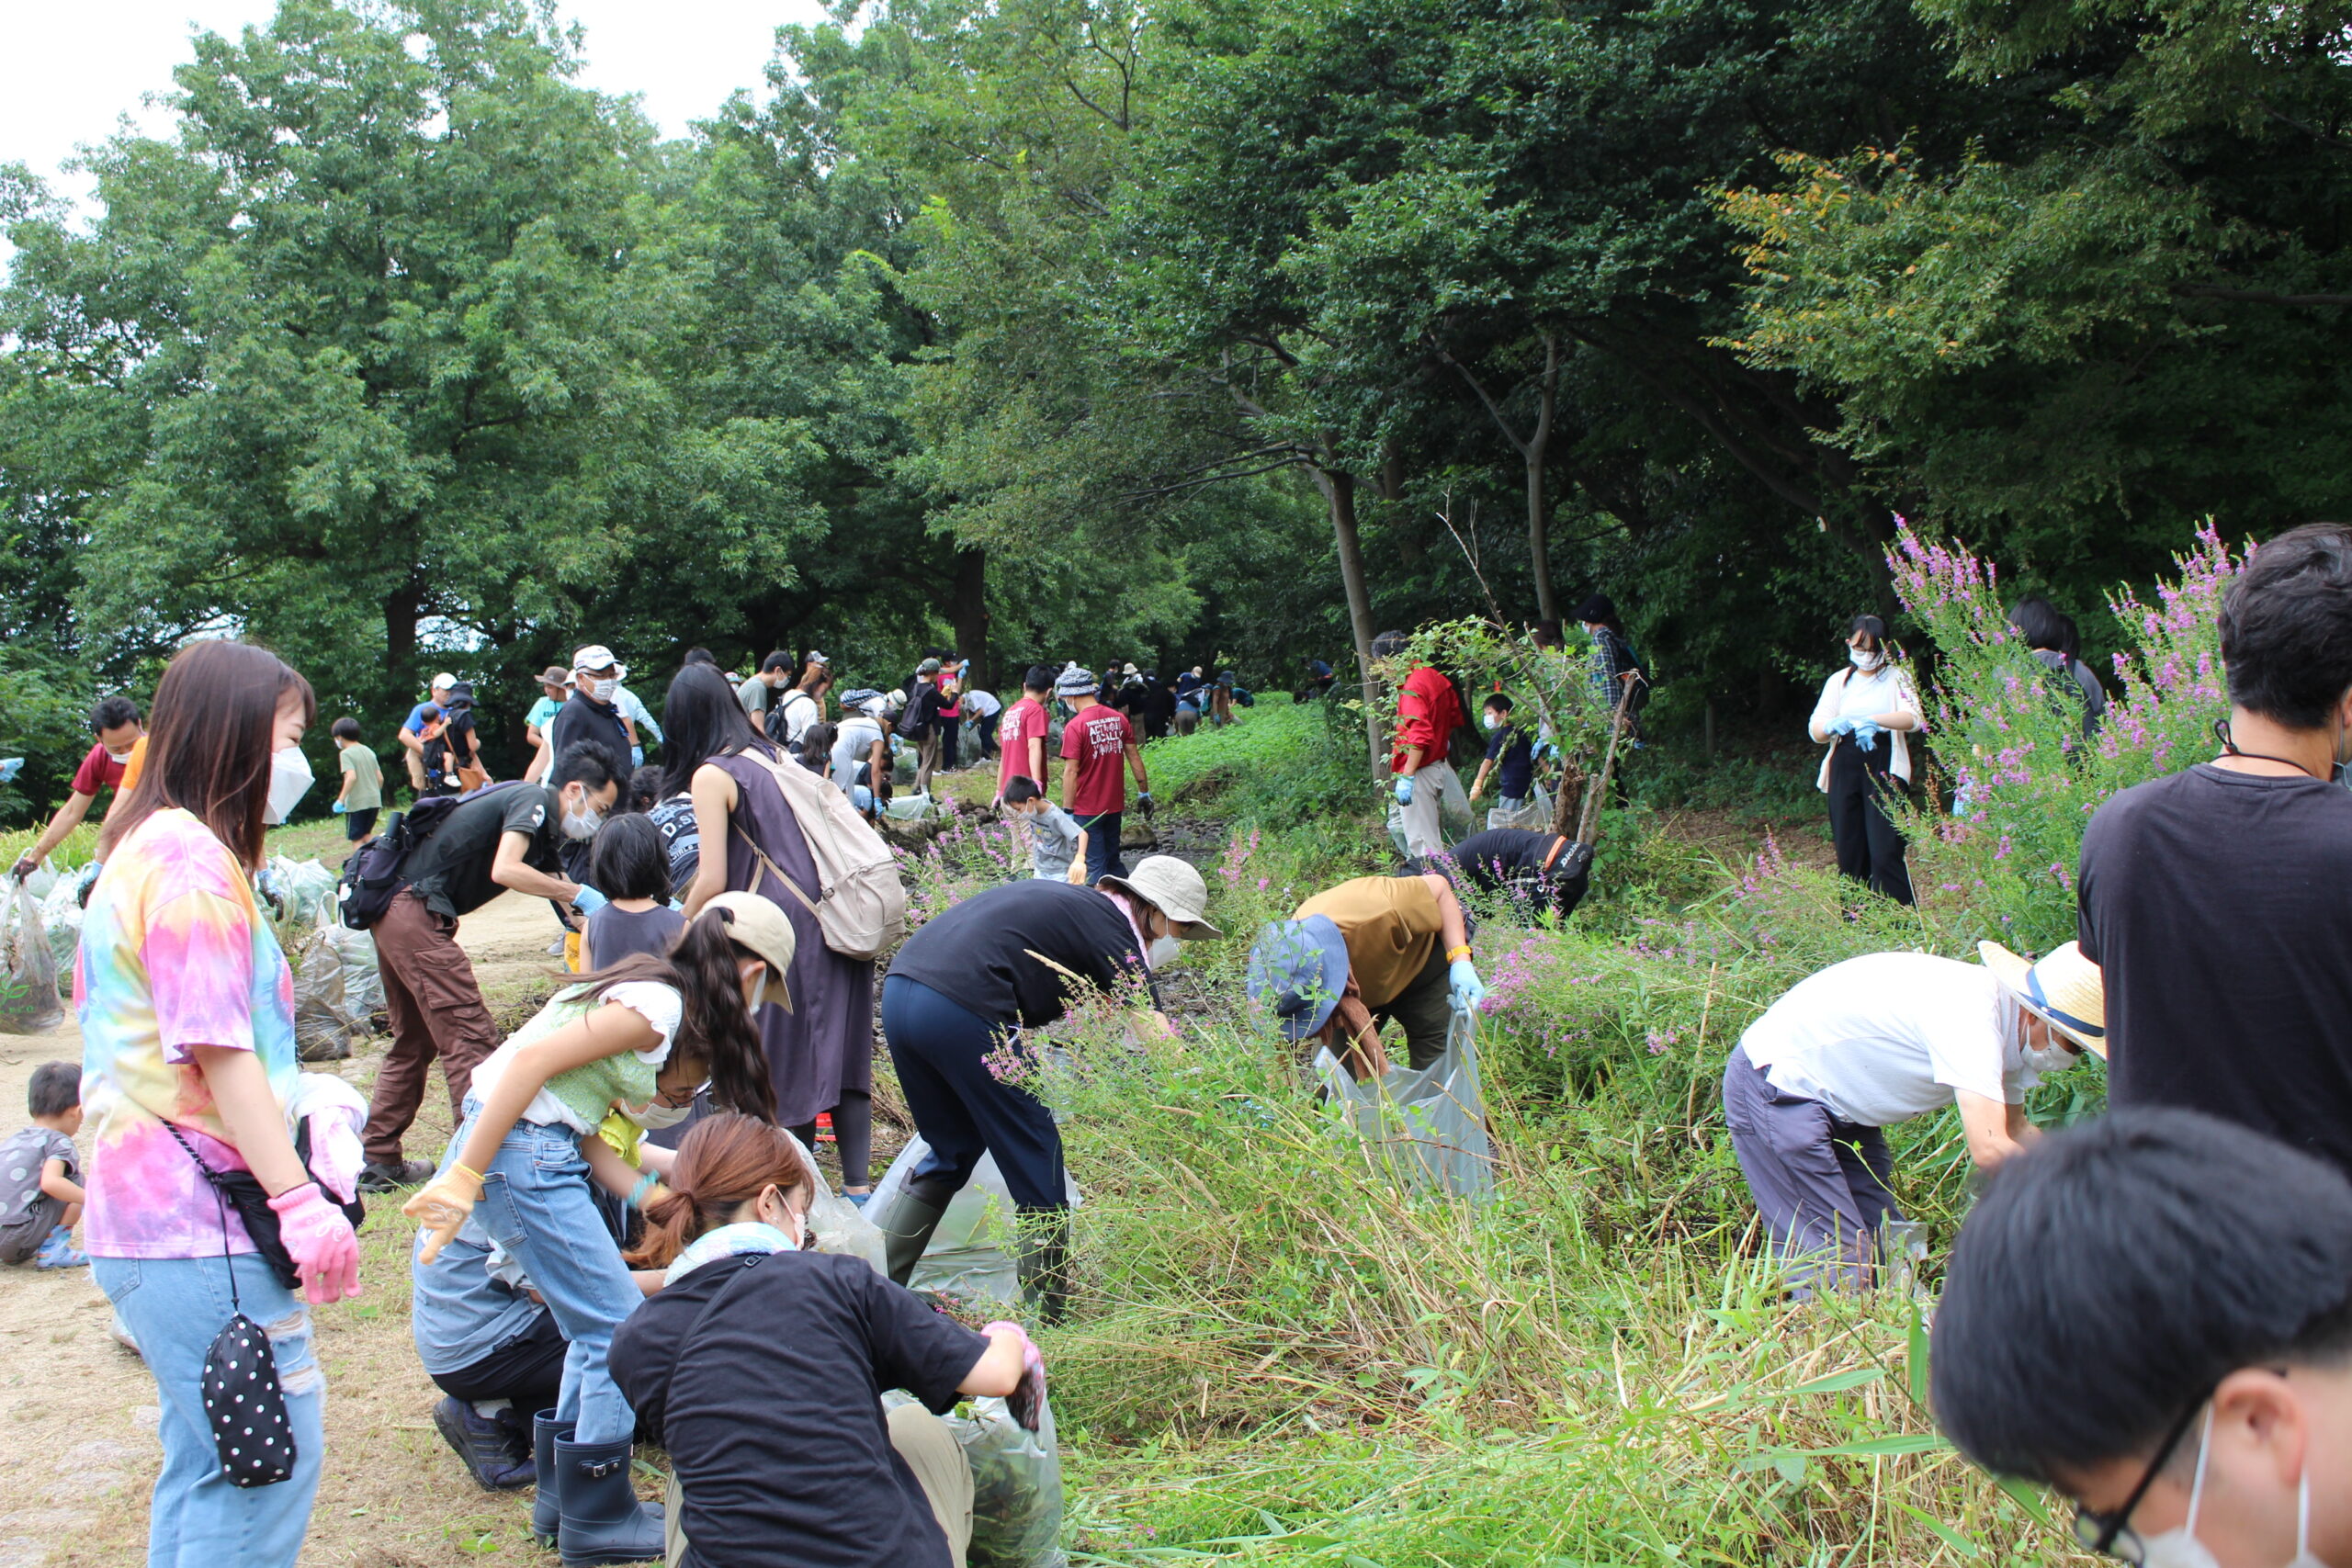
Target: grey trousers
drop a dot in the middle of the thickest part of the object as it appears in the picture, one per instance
(1820, 1183)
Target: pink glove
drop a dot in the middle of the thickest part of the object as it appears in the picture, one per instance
(1028, 1398)
(326, 1255)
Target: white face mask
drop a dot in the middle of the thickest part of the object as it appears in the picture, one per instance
(1492, 721)
(582, 825)
(1161, 952)
(2048, 1059)
(1865, 659)
(122, 757)
(290, 780)
(654, 1115)
(601, 689)
(759, 991)
(2180, 1548)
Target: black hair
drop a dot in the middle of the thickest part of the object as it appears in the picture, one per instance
(113, 713)
(714, 1028)
(585, 763)
(345, 729)
(2287, 627)
(2038, 621)
(1039, 679)
(2070, 639)
(776, 661)
(704, 720)
(699, 655)
(644, 792)
(1498, 701)
(2112, 1275)
(56, 1088)
(1019, 789)
(817, 745)
(1387, 645)
(625, 860)
(1873, 632)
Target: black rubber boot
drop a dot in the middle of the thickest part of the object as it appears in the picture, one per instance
(1043, 1262)
(486, 1444)
(547, 1508)
(602, 1522)
(914, 1213)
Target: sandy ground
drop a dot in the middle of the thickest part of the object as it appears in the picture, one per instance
(75, 1480)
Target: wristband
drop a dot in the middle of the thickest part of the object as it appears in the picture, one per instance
(463, 1169)
(1456, 954)
(645, 1184)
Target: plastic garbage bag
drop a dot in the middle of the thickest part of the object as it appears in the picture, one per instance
(302, 891)
(1534, 812)
(363, 983)
(836, 1224)
(909, 808)
(1428, 1126)
(969, 1257)
(1016, 1484)
(61, 912)
(29, 1003)
(324, 1026)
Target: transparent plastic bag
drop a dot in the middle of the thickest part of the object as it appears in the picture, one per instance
(836, 1224)
(969, 1257)
(324, 1026)
(1016, 1484)
(1534, 812)
(302, 891)
(909, 808)
(363, 983)
(1429, 1127)
(61, 912)
(29, 1001)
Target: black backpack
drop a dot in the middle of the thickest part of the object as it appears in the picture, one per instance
(914, 720)
(371, 878)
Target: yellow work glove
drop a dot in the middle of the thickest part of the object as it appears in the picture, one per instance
(441, 1206)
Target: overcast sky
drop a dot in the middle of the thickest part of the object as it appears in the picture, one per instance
(70, 68)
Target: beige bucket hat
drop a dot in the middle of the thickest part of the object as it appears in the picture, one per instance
(757, 923)
(2063, 989)
(1174, 889)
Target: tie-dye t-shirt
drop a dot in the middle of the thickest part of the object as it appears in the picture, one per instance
(175, 954)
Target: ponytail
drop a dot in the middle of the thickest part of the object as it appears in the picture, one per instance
(724, 1162)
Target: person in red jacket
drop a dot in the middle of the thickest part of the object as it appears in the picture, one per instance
(1427, 715)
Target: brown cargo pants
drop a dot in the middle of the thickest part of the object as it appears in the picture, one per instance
(436, 1011)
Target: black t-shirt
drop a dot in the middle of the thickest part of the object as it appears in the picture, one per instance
(774, 1416)
(2216, 903)
(451, 868)
(1508, 747)
(1510, 861)
(977, 954)
(581, 719)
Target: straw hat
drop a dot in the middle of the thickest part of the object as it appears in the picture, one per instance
(2064, 990)
(1174, 889)
(757, 923)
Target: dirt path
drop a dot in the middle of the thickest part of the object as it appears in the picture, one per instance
(76, 1481)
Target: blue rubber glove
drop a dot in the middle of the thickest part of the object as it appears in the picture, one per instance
(636, 756)
(1404, 789)
(338, 809)
(1866, 735)
(1461, 979)
(590, 901)
(1841, 725)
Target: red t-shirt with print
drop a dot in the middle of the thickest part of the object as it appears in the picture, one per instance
(1097, 740)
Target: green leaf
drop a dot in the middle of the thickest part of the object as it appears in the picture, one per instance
(1917, 1361)
(1880, 1448)
(1838, 1383)
(1945, 1533)
(2026, 1498)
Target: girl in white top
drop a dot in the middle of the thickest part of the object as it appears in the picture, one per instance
(1865, 716)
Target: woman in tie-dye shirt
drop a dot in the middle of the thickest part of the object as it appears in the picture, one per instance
(188, 1031)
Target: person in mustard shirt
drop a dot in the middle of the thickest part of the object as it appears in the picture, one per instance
(1358, 955)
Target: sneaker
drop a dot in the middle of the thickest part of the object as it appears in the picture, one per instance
(57, 1252)
(377, 1178)
(487, 1446)
(555, 948)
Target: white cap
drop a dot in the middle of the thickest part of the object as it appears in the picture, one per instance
(444, 680)
(595, 655)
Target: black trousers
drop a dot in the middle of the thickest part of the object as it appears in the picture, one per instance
(527, 1369)
(1870, 846)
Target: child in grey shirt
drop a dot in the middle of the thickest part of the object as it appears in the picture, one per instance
(1057, 842)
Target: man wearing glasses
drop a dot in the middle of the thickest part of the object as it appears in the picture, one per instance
(2153, 1313)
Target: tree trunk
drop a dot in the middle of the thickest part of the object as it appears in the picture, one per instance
(404, 607)
(969, 613)
(1539, 539)
(1340, 491)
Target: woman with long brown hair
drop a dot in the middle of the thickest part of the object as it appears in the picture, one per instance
(761, 1365)
(188, 1036)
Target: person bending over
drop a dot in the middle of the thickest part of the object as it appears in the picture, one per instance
(1366, 951)
(1877, 1040)
(649, 1030)
(2153, 1313)
(780, 1450)
(1537, 872)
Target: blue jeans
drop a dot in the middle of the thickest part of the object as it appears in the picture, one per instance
(538, 1203)
(1102, 846)
(175, 1306)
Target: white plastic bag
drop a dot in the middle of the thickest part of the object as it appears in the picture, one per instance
(969, 1257)
(29, 1003)
(1429, 1127)
(909, 808)
(303, 891)
(61, 912)
(363, 983)
(1016, 1484)
(1534, 812)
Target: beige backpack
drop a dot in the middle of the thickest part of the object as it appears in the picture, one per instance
(860, 903)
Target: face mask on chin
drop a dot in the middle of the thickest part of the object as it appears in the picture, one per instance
(290, 780)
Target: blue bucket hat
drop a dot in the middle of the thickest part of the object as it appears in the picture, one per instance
(1297, 971)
